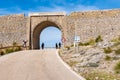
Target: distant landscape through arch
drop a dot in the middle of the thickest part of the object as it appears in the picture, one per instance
(50, 36)
(38, 29)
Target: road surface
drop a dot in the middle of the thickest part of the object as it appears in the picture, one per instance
(35, 65)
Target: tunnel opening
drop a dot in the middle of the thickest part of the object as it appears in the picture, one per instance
(39, 31)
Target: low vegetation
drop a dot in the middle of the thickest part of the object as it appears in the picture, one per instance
(98, 39)
(117, 51)
(15, 44)
(97, 75)
(117, 68)
(116, 41)
(72, 63)
(67, 47)
(90, 42)
(116, 58)
(107, 50)
(107, 58)
(2, 52)
(11, 49)
(109, 54)
(93, 64)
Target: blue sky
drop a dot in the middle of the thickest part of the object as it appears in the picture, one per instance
(68, 6)
(26, 6)
(50, 36)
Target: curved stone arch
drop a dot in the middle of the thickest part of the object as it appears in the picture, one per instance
(38, 29)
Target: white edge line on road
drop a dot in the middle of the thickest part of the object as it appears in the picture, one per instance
(68, 67)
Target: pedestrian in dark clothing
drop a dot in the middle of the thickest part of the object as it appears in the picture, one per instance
(59, 45)
(24, 44)
(42, 45)
(56, 46)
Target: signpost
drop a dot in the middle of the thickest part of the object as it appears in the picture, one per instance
(76, 41)
(63, 40)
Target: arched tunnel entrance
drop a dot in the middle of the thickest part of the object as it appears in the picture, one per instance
(39, 28)
(50, 36)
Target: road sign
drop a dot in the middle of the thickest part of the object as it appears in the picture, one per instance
(63, 40)
(77, 39)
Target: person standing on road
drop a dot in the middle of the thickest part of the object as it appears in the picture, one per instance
(59, 45)
(25, 44)
(42, 45)
(56, 46)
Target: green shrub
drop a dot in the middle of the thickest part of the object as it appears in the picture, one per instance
(107, 50)
(67, 47)
(9, 50)
(98, 39)
(86, 44)
(83, 44)
(72, 63)
(2, 52)
(14, 43)
(93, 64)
(80, 44)
(116, 58)
(117, 51)
(107, 58)
(100, 75)
(119, 38)
(72, 45)
(116, 41)
(117, 67)
(17, 49)
(90, 42)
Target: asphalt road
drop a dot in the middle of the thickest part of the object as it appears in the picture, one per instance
(35, 65)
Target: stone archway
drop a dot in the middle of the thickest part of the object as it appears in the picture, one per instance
(38, 29)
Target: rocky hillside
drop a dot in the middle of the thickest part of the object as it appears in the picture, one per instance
(96, 59)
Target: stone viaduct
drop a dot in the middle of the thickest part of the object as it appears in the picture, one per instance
(87, 25)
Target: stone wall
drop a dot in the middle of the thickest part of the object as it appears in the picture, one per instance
(96, 14)
(89, 25)
(12, 29)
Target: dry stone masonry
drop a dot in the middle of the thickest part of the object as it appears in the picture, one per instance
(12, 29)
(87, 25)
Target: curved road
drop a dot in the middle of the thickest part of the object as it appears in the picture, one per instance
(35, 65)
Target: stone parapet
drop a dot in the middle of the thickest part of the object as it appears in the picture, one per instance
(97, 14)
(47, 14)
